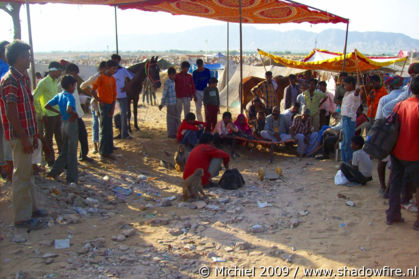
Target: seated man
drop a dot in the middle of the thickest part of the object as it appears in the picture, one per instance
(302, 130)
(289, 115)
(260, 124)
(225, 126)
(190, 130)
(274, 126)
(361, 169)
(207, 157)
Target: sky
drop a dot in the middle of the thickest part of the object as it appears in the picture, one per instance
(59, 27)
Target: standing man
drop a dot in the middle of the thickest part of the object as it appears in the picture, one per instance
(185, 90)
(266, 89)
(291, 92)
(374, 96)
(405, 155)
(106, 92)
(328, 107)
(350, 104)
(47, 88)
(201, 77)
(73, 70)
(313, 98)
(18, 118)
(340, 90)
(121, 76)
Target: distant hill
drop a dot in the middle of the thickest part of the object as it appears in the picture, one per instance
(213, 38)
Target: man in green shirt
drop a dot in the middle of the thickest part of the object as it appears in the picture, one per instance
(313, 98)
(46, 89)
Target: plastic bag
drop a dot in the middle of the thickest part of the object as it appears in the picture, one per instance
(340, 178)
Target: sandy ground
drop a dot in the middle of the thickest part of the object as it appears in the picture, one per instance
(144, 235)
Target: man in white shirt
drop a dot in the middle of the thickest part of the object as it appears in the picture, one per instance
(350, 104)
(289, 114)
(121, 96)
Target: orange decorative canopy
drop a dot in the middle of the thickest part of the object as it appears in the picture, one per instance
(253, 11)
(333, 61)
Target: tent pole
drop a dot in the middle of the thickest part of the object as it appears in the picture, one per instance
(241, 58)
(228, 59)
(116, 30)
(344, 49)
(28, 14)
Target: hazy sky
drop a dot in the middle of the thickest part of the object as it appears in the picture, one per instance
(55, 26)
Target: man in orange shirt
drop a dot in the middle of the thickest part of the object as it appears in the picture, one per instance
(105, 85)
(405, 155)
(375, 95)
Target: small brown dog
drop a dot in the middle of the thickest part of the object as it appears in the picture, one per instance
(192, 186)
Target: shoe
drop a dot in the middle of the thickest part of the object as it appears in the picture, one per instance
(39, 213)
(394, 221)
(321, 157)
(115, 148)
(31, 224)
(117, 137)
(127, 137)
(86, 159)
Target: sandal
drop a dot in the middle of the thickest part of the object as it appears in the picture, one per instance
(394, 221)
(31, 224)
(410, 207)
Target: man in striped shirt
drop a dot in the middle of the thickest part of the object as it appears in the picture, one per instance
(267, 90)
(169, 100)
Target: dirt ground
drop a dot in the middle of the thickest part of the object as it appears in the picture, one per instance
(152, 233)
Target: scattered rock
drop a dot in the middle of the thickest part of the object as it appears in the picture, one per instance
(275, 252)
(243, 246)
(303, 212)
(350, 203)
(228, 249)
(175, 232)
(19, 238)
(123, 247)
(119, 237)
(192, 206)
(257, 229)
(49, 255)
(23, 275)
(165, 203)
(98, 242)
(213, 207)
(128, 232)
(287, 257)
(224, 200)
(200, 204)
(158, 222)
(294, 222)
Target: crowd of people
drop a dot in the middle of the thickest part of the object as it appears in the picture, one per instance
(54, 111)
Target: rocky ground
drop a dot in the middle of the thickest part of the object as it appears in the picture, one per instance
(96, 230)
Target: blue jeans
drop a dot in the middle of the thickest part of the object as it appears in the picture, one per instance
(348, 128)
(123, 105)
(95, 126)
(191, 137)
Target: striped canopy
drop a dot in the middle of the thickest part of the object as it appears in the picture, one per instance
(253, 11)
(333, 61)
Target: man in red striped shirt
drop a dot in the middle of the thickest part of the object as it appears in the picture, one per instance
(18, 118)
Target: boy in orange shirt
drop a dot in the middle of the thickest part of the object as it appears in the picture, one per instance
(375, 95)
(105, 85)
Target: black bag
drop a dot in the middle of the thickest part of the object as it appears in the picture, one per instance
(231, 180)
(382, 137)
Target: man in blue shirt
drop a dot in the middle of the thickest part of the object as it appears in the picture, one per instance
(201, 77)
(69, 127)
(4, 67)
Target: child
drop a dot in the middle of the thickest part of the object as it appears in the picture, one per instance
(169, 100)
(69, 128)
(105, 85)
(212, 104)
(361, 169)
(185, 90)
(94, 104)
(224, 128)
(190, 130)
